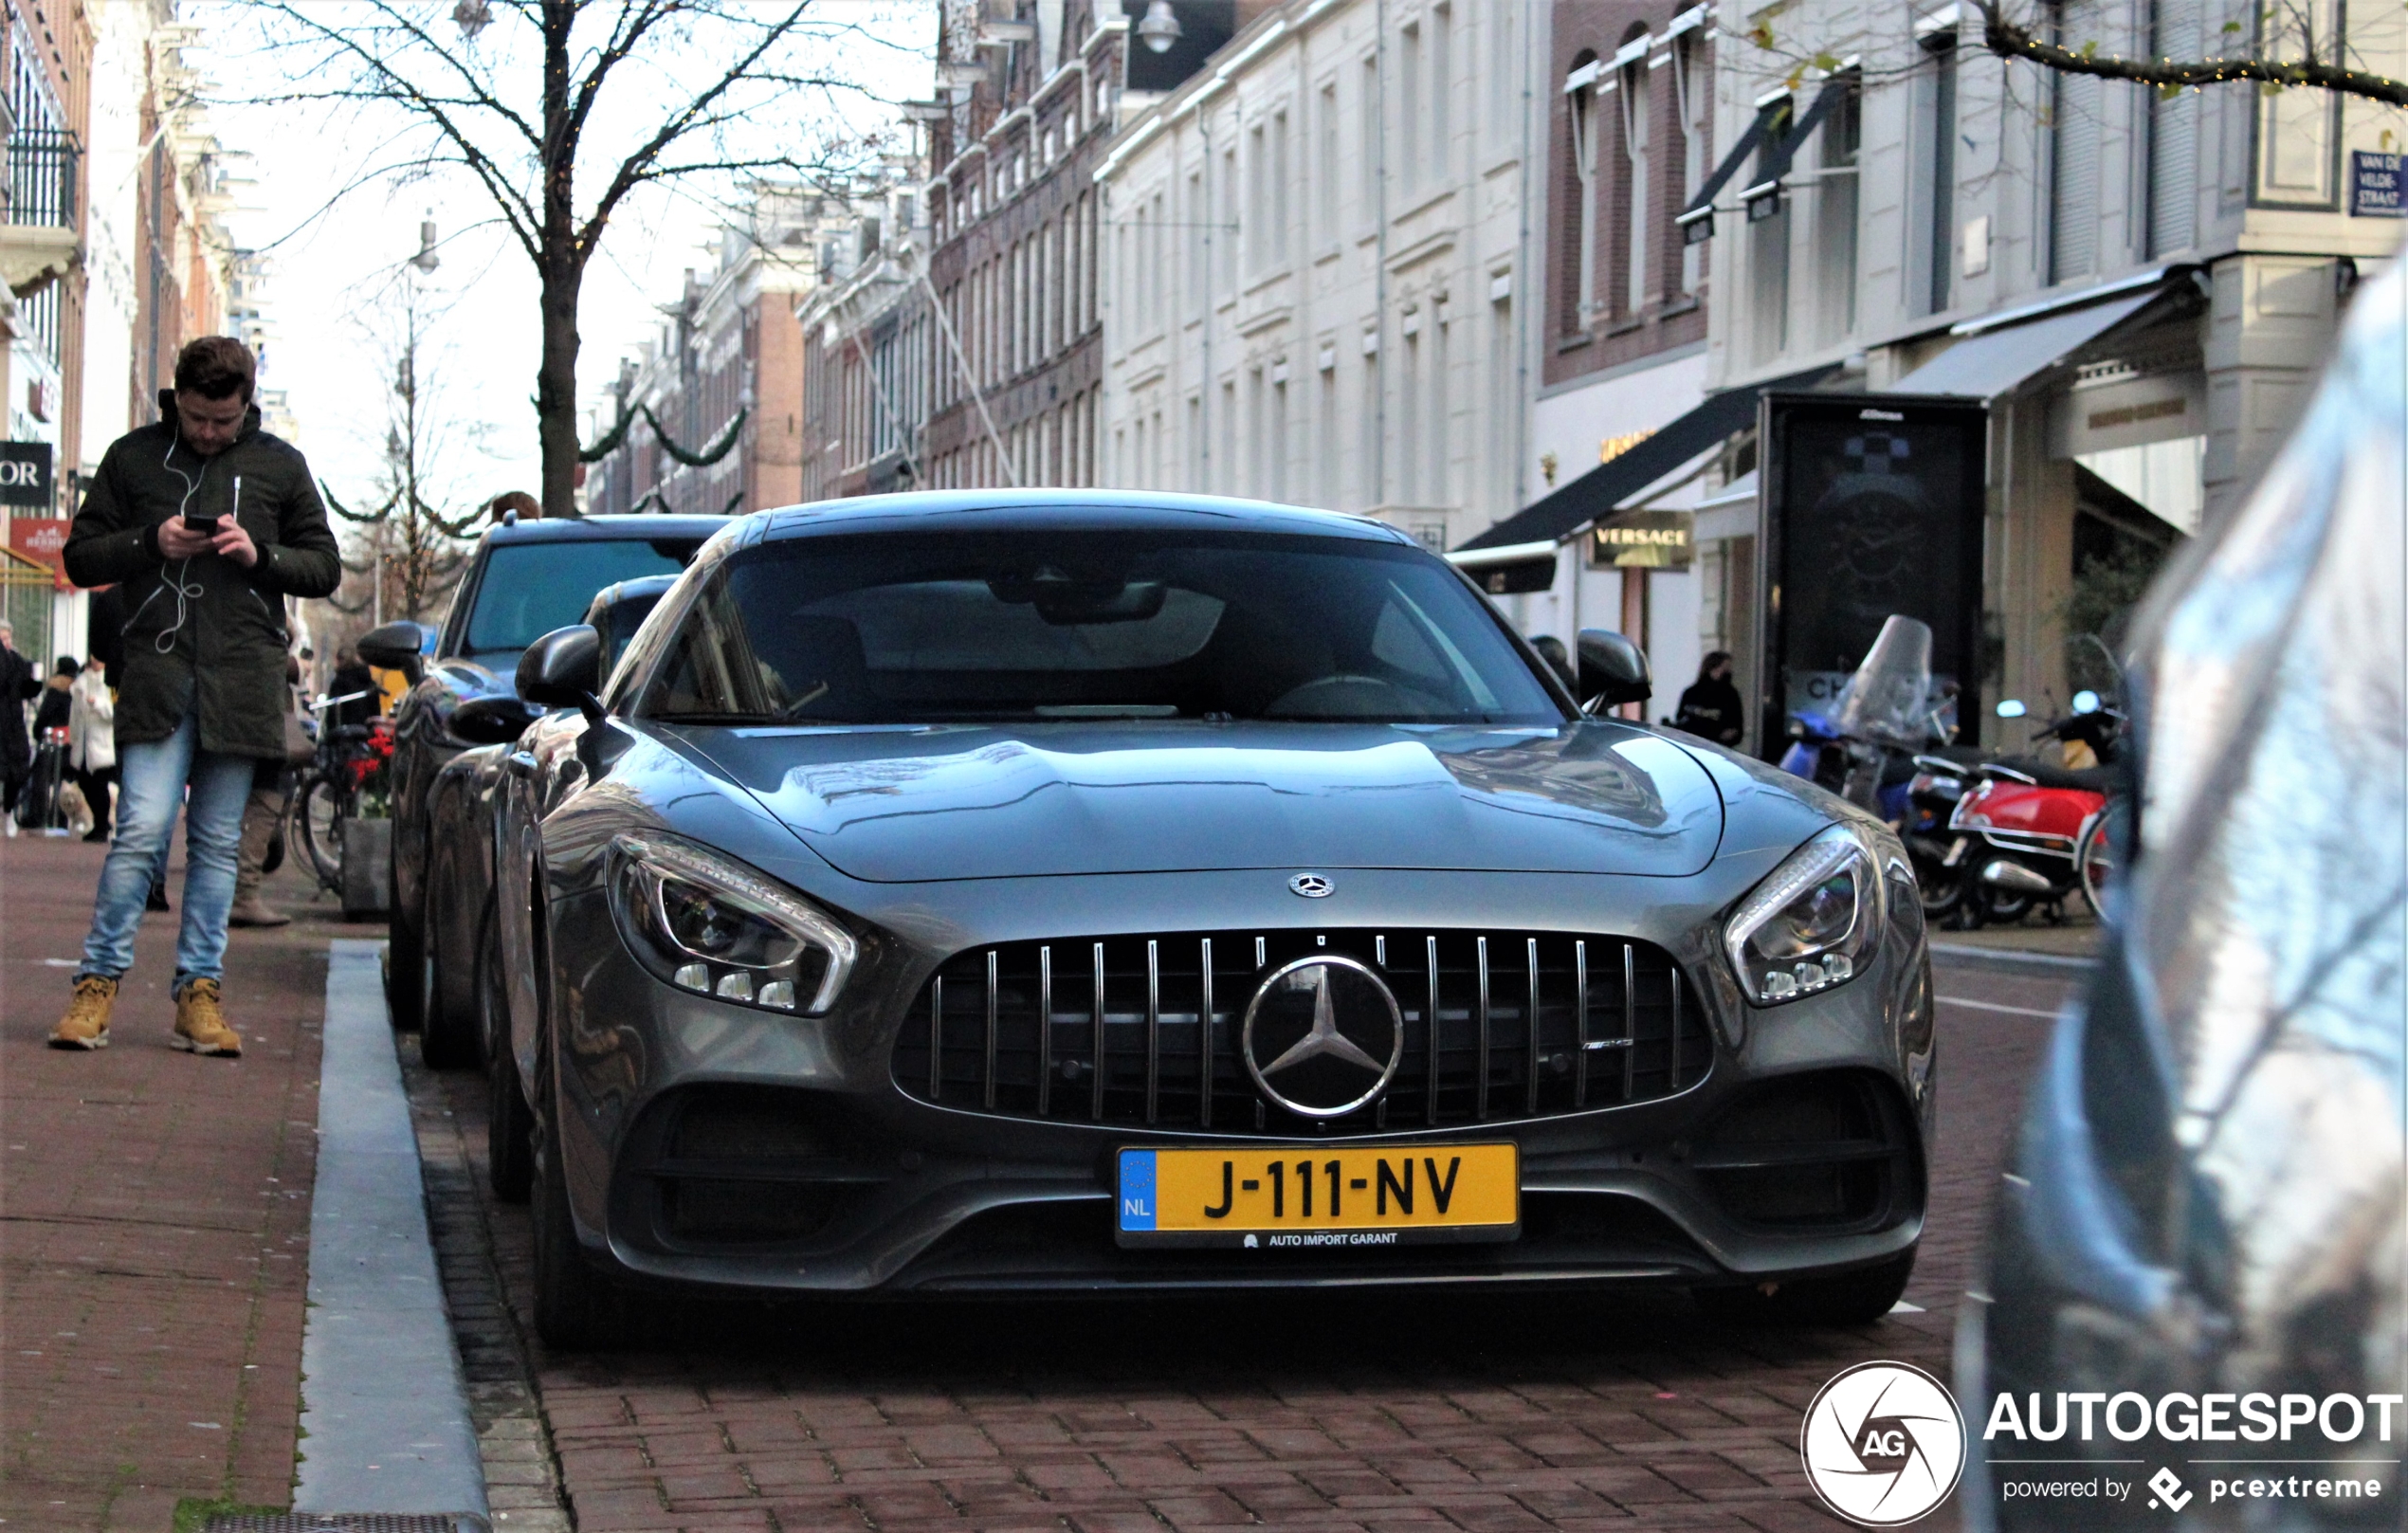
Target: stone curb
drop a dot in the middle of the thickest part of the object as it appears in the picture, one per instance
(384, 1423)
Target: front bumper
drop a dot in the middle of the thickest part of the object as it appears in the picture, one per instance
(714, 1144)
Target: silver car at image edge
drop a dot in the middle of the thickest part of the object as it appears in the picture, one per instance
(2210, 1194)
(1083, 891)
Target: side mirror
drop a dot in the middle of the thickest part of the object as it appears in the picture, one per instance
(2086, 700)
(394, 646)
(563, 669)
(2010, 708)
(492, 721)
(1612, 670)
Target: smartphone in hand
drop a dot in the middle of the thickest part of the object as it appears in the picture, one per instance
(206, 526)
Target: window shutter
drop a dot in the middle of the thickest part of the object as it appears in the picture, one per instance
(2075, 214)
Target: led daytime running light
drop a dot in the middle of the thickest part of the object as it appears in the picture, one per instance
(1768, 979)
(651, 860)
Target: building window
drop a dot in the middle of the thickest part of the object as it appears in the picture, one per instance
(1937, 153)
(1258, 218)
(2075, 144)
(1226, 474)
(1579, 104)
(2298, 130)
(1200, 245)
(2174, 26)
(1367, 424)
(1325, 455)
(1504, 75)
(1410, 126)
(1279, 433)
(1693, 98)
(1282, 191)
(1227, 215)
(1324, 190)
(1504, 384)
(1636, 105)
(1442, 88)
(1835, 214)
(1367, 138)
(1768, 263)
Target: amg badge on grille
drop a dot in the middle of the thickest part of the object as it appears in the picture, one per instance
(1322, 1037)
(1311, 886)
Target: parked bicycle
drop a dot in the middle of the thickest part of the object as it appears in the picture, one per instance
(347, 771)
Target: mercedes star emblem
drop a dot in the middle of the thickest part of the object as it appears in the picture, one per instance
(1331, 1031)
(1311, 886)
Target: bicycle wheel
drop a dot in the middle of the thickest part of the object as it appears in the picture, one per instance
(2094, 865)
(318, 814)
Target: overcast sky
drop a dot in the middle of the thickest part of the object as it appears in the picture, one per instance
(333, 300)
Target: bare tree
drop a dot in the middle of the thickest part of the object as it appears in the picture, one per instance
(410, 553)
(2290, 49)
(523, 90)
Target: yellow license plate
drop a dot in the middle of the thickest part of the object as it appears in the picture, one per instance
(1304, 1196)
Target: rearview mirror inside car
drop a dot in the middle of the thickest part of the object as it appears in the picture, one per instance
(1612, 670)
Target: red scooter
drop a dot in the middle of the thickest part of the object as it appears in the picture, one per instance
(2033, 832)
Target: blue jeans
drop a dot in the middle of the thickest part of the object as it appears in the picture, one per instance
(150, 781)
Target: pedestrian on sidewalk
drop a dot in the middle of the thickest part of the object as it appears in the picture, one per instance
(209, 522)
(19, 686)
(92, 743)
(262, 813)
(1711, 707)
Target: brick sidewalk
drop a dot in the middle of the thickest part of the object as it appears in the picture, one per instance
(154, 1215)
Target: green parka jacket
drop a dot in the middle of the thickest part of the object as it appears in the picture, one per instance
(205, 634)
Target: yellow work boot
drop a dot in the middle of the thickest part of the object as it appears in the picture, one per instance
(200, 1026)
(86, 1024)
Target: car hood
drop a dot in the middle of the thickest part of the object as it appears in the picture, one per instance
(908, 805)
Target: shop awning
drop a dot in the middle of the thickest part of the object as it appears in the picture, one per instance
(1603, 490)
(1998, 362)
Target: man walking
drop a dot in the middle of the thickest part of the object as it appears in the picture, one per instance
(209, 523)
(18, 687)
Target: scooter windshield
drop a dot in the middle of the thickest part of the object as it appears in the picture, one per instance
(1888, 700)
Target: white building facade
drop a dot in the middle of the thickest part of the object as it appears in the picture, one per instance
(1316, 262)
(2141, 285)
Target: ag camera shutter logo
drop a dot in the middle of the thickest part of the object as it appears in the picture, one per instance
(1883, 1444)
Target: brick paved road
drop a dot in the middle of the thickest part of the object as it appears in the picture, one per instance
(1339, 1411)
(153, 1215)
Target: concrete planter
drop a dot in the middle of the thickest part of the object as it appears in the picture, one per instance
(368, 854)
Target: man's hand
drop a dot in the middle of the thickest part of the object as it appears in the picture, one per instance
(236, 544)
(177, 542)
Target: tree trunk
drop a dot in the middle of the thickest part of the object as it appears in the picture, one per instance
(556, 388)
(561, 265)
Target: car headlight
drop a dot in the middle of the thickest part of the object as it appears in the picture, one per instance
(1808, 925)
(713, 926)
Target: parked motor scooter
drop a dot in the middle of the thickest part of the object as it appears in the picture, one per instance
(1816, 752)
(2022, 827)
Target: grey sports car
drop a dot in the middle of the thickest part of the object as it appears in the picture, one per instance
(1060, 891)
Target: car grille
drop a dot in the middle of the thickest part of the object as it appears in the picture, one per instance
(1615, 1024)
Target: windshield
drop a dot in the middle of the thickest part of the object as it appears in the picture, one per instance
(1888, 699)
(530, 589)
(1040, 625)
